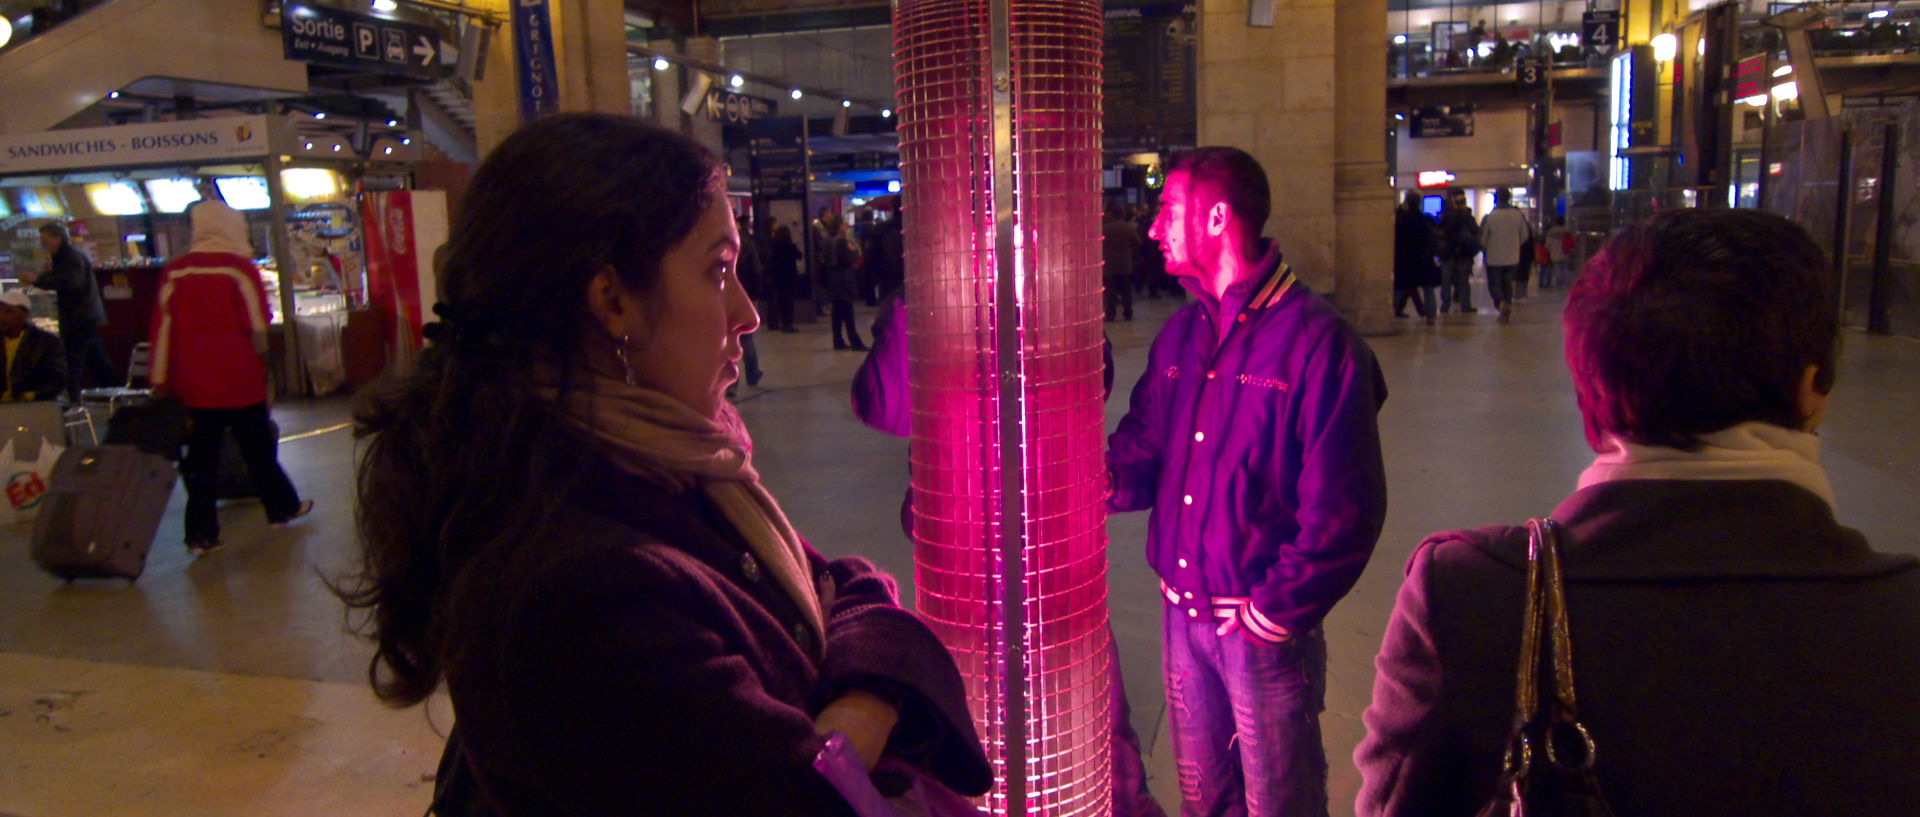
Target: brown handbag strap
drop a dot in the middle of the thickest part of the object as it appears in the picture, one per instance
(1526, 698)
(1546, 534)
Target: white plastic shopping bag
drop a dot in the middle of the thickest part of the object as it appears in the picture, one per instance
(26, 480)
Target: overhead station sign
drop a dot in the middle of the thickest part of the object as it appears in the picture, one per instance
(330, 36)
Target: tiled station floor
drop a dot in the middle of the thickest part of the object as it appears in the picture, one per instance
(228, 685)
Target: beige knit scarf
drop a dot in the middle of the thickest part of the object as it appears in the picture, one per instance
(653, 436)
(1745, 451)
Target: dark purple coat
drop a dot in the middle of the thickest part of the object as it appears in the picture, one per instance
(1735, 651)
(640, 662)
(880, 395)
(1259, 454)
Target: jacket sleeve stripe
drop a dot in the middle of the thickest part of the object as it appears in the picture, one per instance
(162, 336)
(1261, 626)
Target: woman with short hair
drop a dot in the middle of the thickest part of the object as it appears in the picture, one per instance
(1735, 649)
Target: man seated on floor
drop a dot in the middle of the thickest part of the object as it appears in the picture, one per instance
(35, 366)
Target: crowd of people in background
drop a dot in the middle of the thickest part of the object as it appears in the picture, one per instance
(1438, 254)
(860, 257)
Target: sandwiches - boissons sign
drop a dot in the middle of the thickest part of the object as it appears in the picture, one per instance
(189, 141)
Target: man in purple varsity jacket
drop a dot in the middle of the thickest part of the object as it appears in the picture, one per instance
(1252, 438)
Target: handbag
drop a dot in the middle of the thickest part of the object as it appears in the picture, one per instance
(1547, 770)
(456, 791)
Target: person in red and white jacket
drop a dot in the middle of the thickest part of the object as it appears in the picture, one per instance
(209, 339)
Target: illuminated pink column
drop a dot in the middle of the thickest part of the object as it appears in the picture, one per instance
(999, 106)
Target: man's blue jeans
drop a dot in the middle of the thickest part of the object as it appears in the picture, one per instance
(1246, 720)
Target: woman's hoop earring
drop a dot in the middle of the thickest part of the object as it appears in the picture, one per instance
(626, 366)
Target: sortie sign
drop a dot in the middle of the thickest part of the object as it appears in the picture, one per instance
(330, 36)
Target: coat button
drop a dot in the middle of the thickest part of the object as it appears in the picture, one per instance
(1199, 436)
(1188, 499)
(1183, 563)
(1188, 595)
(1192, 613)
(1210, 375)
(749, 567)
(1242, 318)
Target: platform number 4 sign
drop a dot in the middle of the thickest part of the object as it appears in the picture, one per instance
(1600, 32)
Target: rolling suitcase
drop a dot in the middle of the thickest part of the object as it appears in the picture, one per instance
(102, 509)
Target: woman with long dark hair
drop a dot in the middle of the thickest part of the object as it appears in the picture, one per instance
(561, 520)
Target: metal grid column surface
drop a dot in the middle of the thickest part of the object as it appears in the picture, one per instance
(999, 121)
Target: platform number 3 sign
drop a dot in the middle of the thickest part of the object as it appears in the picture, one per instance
(1529, 73)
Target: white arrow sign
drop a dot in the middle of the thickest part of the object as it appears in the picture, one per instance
(424, 49)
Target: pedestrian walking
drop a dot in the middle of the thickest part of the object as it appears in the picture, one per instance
(209, 347)
(1459, 246)
(1504, 233)
(69, 275)
(1415, 274)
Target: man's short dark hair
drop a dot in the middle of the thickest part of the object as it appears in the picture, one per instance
(1230, 175)
(1696, 320)
(57, 230)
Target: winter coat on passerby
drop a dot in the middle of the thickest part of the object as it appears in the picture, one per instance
(1415, 273)
(1415, 245)
(885, 255)
(841, 278)
(783, 276)
(70, 277)
(1503, 233)
(1459, 233)
(35, 365)
(209, 339)
(1119, 243)
(839, 273)
(1734, 648)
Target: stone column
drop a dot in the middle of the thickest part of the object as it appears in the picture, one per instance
(496, 97)
(1363, 200)
(1307, 97)
(590, 44)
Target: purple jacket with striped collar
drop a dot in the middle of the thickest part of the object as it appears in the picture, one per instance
(1258, 452)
